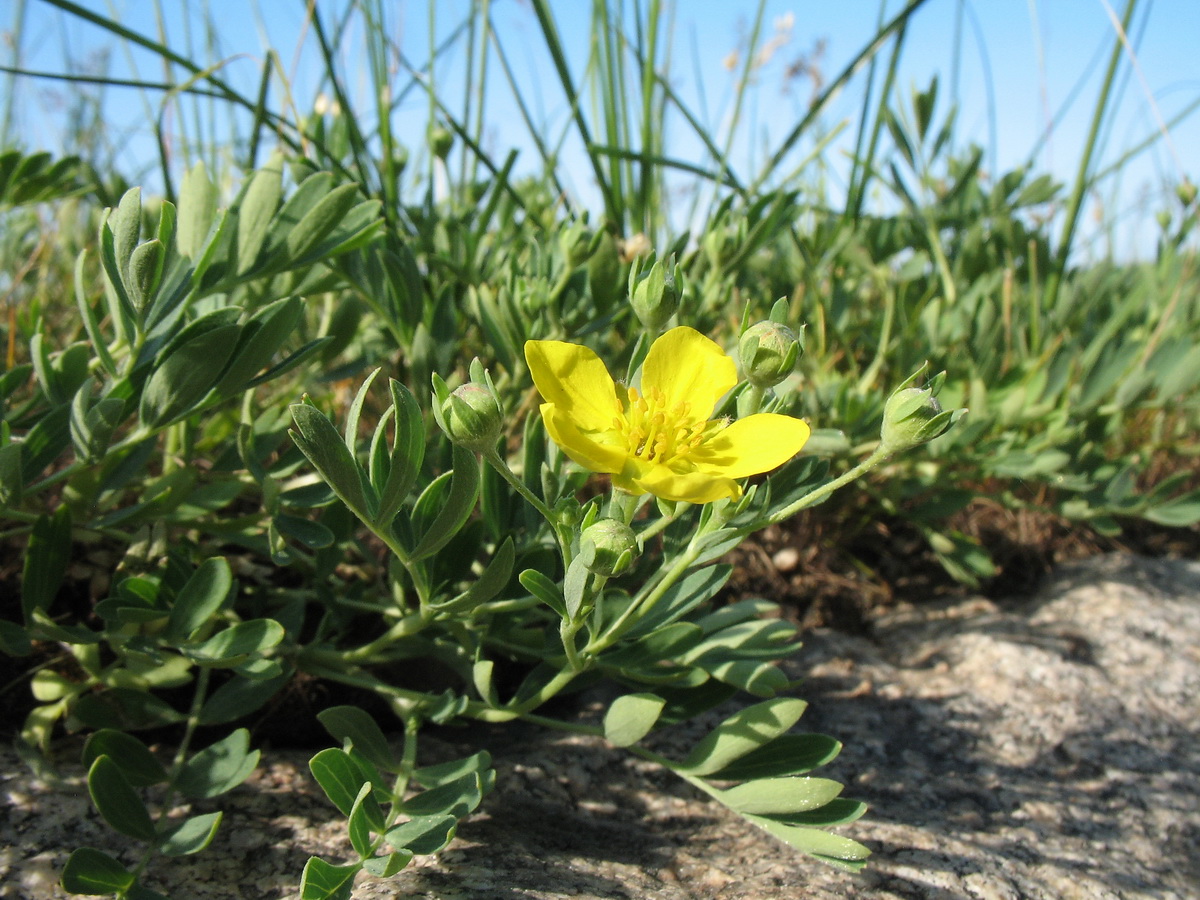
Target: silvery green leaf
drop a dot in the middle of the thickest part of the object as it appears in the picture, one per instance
(631, 717)
(255, 212)
(339, 778)
(90, 871)
(744, 731)
(145, 273)
(423, 834)
(126, 224)
(117, 802)
(833, 849)
(218, 768)
(183, 378)
(139, 766)
(320, 221)
(323, 881)
(464, 489)
(489, 583)
(197, 211)
(408, 452)
(191, 835)
(201, 597)
(349, 723)
(46, 559)
(318, 440)
(788, 754)
(780, 795)
(260, 339)
(232, 645)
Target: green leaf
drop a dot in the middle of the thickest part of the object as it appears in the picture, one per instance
(232, 645)
(186, 375)
(366, 816)
(780, 795)
(91, 871)
(256, 210)
(12, 480)
(349, 723)
(350, 432)
(191, 835)
(464, 489)
(321, 220)
(1177, 513)
(387, 866)
(544, 589)
(631, 717)
(490, 582)
(830, 848)
(260, 339)
(788, 754)
(322, 881)
(117, 802)
(457, 798)
(667, 643)
(423, 835)
(145, 273)
(444, 773)
(684, 596)
(219, 767)
(311, 534)
(320, 442)
(201, 598)
(744, 731)
(14, 640)
(338, 776)
(761, 679)
(139, 766)
(197, 211)
(239, 697)
(408, 452)
(46, 560)
(836, 812)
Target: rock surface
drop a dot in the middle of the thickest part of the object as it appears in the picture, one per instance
(1046, 749)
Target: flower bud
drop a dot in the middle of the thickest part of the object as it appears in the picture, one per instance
(441, 141)
(471, 417)
(768, 352)
(1186, 192)
(575, 241)
(615, 546)
(912, 416)
(655, 298)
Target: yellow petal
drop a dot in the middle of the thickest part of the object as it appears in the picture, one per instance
(690, 487)
(574, 379)
(751, 445)
(589, 450)
(688, 367)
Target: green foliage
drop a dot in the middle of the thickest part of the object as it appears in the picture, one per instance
(203, 429)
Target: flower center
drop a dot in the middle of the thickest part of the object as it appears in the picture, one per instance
(655, 433)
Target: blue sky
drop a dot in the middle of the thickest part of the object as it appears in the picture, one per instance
(1026, 76)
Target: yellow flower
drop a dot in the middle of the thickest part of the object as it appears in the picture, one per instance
(659, 439)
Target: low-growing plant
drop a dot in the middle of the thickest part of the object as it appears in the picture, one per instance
(485, 545)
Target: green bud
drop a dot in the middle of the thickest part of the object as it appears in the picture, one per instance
(1163, 218)
(471, 414)
(575, 241)
(441, 142)
(1186, 192)
(655, 297)
(768, 353)
(615, 546)
(912, 416)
